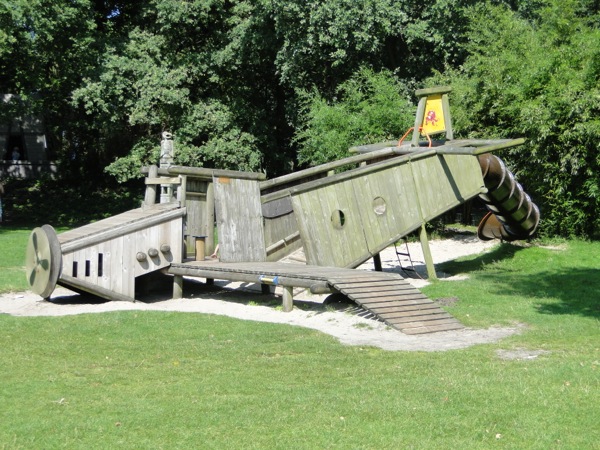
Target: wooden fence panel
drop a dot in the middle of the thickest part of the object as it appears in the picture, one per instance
(239, 220)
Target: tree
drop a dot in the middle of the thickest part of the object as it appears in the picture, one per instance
(370, 107)
(539, 78)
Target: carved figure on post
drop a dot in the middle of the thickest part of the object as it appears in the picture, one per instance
(167, 152)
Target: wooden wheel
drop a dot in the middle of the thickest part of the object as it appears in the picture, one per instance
(43, 260)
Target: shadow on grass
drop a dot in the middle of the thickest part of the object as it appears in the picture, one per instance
(502, 252)
(563, 291)
(575, 292)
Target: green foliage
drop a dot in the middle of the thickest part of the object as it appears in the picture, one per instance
(538, 79)
(166, 74)
(370, 107)
(222, 145)
(63, 204)
(262, 85)
(143, 153)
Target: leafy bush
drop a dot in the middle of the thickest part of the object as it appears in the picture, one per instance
(370, 107)
(539, 79)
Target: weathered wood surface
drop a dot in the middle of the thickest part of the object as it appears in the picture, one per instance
(239, 220)
(202, 173)
(388, 296)
(200, 213)
(282, 237)
(378, 204)
(120, 224)
(83, 285)
(102, 255)
(403, 306)
(276, 186)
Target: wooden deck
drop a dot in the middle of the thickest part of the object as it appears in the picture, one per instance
(388, 296)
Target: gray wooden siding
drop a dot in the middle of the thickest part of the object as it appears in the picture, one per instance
(380, 205)
(239, 220)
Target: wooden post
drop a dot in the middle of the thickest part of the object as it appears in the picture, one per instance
(177, 286)
(166, 160)
(182, 195)
(288, 298)
(377, 262)
(150, 197)
(427, 253)
(210, 217)
(182, 190)
(200, 247)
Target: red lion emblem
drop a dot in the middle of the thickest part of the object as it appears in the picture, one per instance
(431, 118)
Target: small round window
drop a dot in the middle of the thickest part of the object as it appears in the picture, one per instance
(338, 219)
(379, 206)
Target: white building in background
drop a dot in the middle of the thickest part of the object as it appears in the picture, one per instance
(23, 149)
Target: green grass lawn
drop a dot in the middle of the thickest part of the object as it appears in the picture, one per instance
(13, 242)
(179, 380)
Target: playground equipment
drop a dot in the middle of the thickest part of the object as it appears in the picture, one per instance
(341, 214)
(512, 215)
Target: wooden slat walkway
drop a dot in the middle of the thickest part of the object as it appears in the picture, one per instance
(396, 302)
(386, 295)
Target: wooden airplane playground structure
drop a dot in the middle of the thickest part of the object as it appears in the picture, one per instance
(341, 214)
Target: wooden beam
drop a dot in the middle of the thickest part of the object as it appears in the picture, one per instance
(150, 197)
(432, 91)
(164, 180)
(324, 168)
(177, 286)
(111, 233)
(288, 298)
(427, 253)
(373, 147)
(69, 281)
(207, 174)
(283, 242)
(202, 272)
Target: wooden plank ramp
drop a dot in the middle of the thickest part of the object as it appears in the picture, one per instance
(387, 296)
(394, 301)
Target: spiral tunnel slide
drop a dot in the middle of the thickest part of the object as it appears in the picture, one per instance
(512, 215)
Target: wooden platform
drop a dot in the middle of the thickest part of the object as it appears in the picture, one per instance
(388, 296)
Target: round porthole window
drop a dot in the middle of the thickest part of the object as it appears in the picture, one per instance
(338, 219)
(379, 206)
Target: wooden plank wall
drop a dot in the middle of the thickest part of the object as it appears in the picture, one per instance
(380, 206)
(198, 221)
(239, 220)
(330, 225)
(390, 207)
(112, 264)
(447, 181)
(280, 228)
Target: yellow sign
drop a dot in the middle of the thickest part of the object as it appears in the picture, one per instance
(433, 122)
